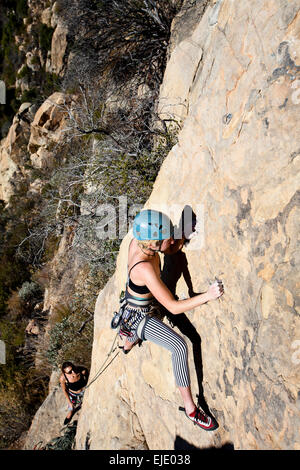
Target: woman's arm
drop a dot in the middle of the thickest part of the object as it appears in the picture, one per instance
(162, 294)
(64, 389)
(85, 373)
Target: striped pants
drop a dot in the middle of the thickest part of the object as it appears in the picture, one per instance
(159, 333)
(75, 398)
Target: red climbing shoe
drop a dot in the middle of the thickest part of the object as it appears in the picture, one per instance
(202, 419)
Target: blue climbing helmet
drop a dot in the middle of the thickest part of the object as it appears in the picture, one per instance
(152, 225)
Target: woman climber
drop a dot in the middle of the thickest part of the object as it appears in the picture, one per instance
(154, 232)
(73, 381)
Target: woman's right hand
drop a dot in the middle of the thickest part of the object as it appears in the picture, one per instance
(215, 290)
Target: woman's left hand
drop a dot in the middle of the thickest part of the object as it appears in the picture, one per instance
(215, 290)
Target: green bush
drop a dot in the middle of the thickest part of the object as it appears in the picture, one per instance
(45, 37)
(30, 291)
(13, 271)
(133, 41)
(65, 441)
(29, 96)
(68, 342)
(21, 8)
(12, 24)
(24, 72)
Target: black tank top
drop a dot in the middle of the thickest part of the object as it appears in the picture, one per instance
(137, 289)
(75, 386)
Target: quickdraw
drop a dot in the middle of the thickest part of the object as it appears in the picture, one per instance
(117, 316)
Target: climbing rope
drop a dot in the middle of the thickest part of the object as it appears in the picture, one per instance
(59, 441)
(102, 368)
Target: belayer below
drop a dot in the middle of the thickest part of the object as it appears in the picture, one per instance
(154, 232)
(73, 381)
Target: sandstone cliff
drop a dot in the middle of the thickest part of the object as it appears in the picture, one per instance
(37, 61)
(233, 79)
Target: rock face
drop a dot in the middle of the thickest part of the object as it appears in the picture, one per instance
(30, 139)
(46, 129)
(13, 151)
(58, 49)
(48, 421)
(233, 78)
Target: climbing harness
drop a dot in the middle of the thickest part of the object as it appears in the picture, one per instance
(117, 316)
(132, 317)
(114, 324)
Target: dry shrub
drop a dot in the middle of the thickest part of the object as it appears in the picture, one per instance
(15, 305)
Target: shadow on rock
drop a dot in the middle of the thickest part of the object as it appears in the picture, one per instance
(175, 266)
(182, 444)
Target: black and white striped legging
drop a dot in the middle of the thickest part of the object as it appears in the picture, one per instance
(157, 332)
(161, 334)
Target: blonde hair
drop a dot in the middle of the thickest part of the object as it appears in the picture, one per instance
(146, 243)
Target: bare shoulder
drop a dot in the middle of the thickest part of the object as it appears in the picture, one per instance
(148, 266)
(150, 270)
(62, 379)
(133, 247)
(83, 370)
